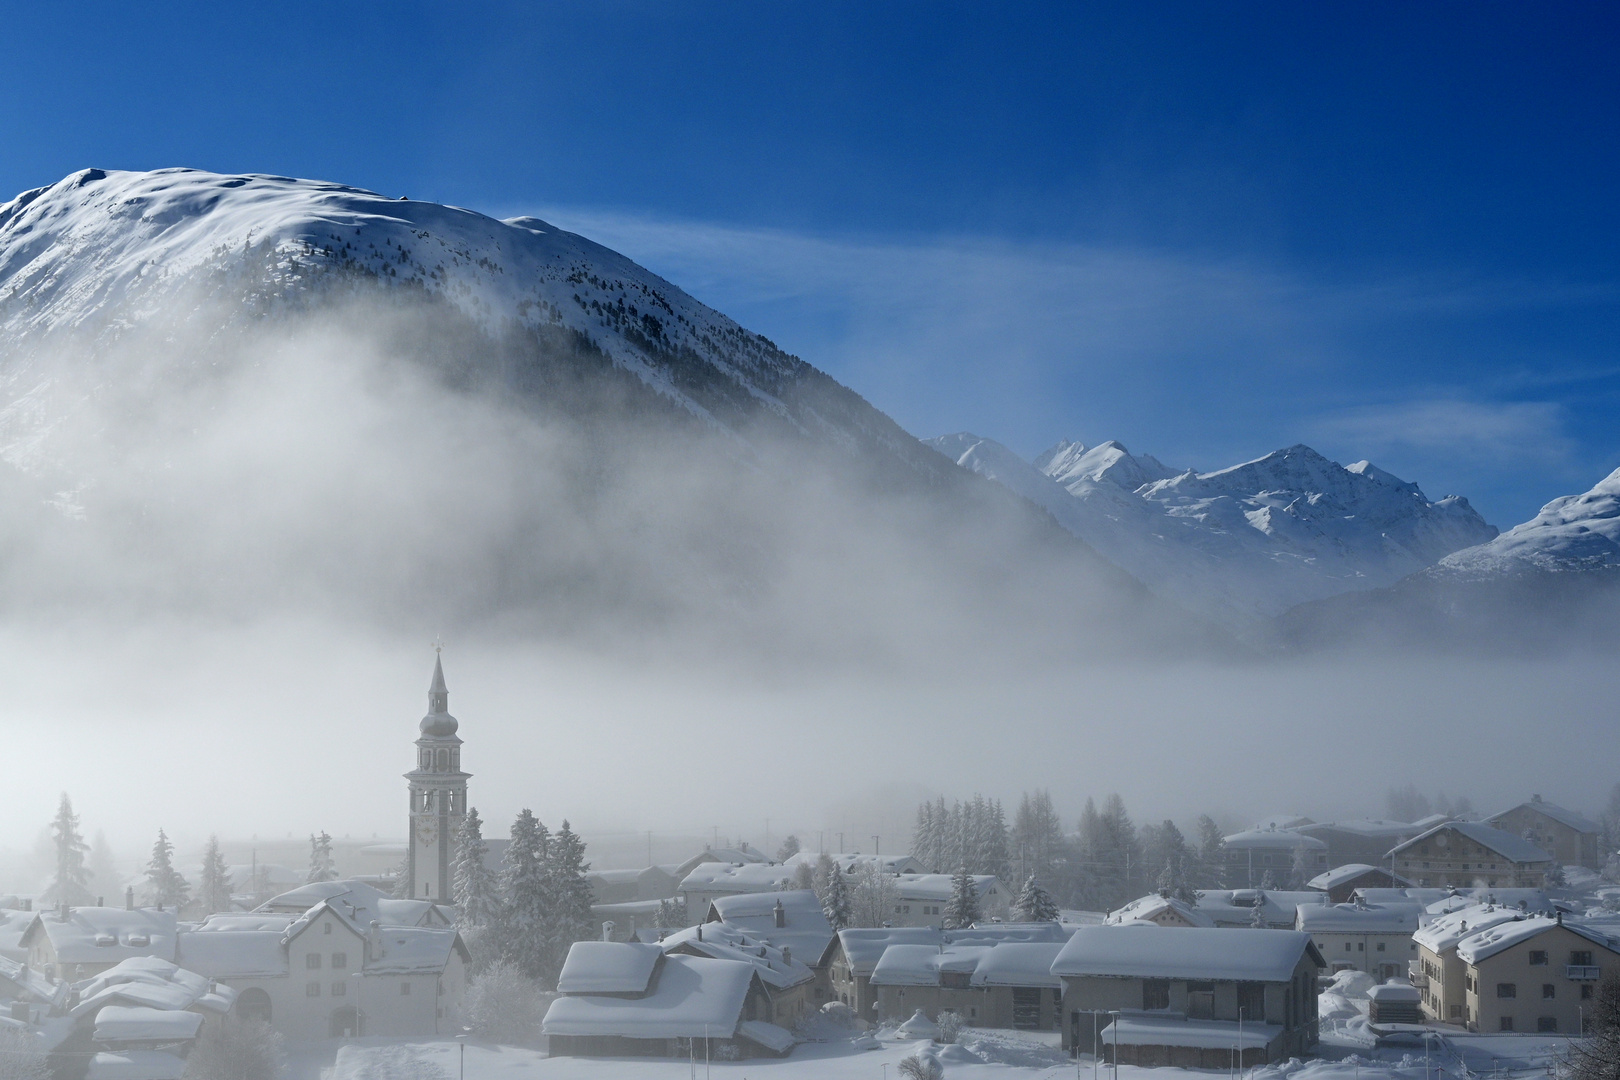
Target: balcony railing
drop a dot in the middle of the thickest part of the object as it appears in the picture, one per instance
(1584, 972)
(1415, 975)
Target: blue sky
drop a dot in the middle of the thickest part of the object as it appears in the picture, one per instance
(1207, 230)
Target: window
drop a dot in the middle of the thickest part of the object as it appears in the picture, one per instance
(1507, 990)
(312, 961)
(1155, 993)
(404, 989)
(1538, 958)
(1547, 1023)
(1580, 957)
(340, 961)
(312, 989)
(339, 989)
(1548, 991)
(1505, 1024)
(1347, 946)
(1361, 946)
(1380, 946)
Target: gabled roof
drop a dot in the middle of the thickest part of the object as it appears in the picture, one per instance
(936, 886)
(748, 877)
(146, 981)
(921, 965)
(1139, 950)
(1357, 919)
(1149, 908)
(1349, 872)
(1019, 963)
(1512, 848)
(608, 967)
(1273, 840)
(848, 862)
(1446, 931)
(1503, 936)
(1570, 818)
(728, 856)
(807, 931)
(694, 997)
(863, 947)
(1370, 828)
(24, 983)
(105, 935)
(358, 904)
(723, 942)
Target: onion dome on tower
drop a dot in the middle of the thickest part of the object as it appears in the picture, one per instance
(438, 722)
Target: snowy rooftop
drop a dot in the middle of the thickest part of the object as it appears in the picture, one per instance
(1143, 951)
(18, 980)
(1349, 872)
(1524, 899)
(1390, 992)
(1019, 963)
(406, 950)
(749, 877)
(1578, 822)
(1419, 897)
(937, 886)
(921, 965)
(127, 1023)
(849, 861)
(136, 1065)
(1502, 936)
(728, 856)
(1150, 908)
(358, 904)
(147, 981)
(1446, 931)
(608, 967)
(221, 954)
(807, 931)
(723, 942)
(1175, 1031)
(1356, 919)
(863, 948)
(1274, 840)
(1372, 828)
(1513, 848)
(1235, 907)
(12, 925)
(102, 935)
(693, 997)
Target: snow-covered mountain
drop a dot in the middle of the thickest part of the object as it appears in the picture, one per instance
(104, 252)
(1252, 540)
(1572, 533)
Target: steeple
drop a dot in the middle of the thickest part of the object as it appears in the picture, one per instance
(438, 720)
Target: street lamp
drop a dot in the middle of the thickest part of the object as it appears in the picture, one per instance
(461, 1041)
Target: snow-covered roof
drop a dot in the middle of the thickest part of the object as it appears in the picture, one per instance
(1525, 900)
(608, 967)
(1176, 1031)
(154, 983)
(936, 886)
(1391, 992)
(1502, 936)
(1419, 897)
(694, 997)
(137, 1023)
(1235, 907)
(1019, 963)
(748, 877)
(412, 950)
(1445, 931)
(849, 861)
(105, 935)
(1356, 919)
(1575, 821)
(13, 924)
(727, 856)
(237, 945)
(1273, 840)
(135, 1065)
(724, 942)
(358, 904)
(921, 965)
(1512, 848)
(1153, 906)
(773, 1038)
(1143, 951)
(864, 947)
(1343, 875)
(807, 931)
(1371, 828)
(25, 983)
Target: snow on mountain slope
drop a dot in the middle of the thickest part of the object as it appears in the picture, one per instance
(102, 252)
(1252, 540)
(1576, 532)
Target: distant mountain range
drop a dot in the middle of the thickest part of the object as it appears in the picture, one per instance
(783, 485)
(1246, 542)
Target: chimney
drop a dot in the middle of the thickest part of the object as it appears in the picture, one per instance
(373, 942)
(1560, 916)
(700, 931)
(781, 915)
(1535, 798)
(787, 955)
(607, 930)
(129, 898)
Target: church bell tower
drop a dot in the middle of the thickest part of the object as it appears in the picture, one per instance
(438, 796)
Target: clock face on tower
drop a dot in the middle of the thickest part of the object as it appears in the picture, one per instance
(427, 830)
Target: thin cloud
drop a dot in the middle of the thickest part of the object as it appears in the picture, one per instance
(1513, 431)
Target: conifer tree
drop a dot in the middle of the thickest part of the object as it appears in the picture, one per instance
(71, 882)
(922, 835)
(321, 865)
(789, 848)
(1034, 904)
(1258, 918)
(821, 877)
(523, 927)
(476, 892)
(962, 910)
(1597, 1056)
(164, 884)
(1211, 853)
(214, 886)
(835, 904)
(804, 876)
(570, 894)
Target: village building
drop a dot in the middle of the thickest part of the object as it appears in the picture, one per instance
(1438, 971)
(633, 999)
(73, 943)
(1234, 908)
(853, 954)
(1361, 937)
(1469, 854)
(793, 919)
(709, 881)
(650, 883)
(1161, 911)
(788, 981)
(997, 984)
(1535, 974)
(1571, 839)
(1360, 840)
(741, 855)
(1191, 998)
(921, 899)
(1342, 882)
(1279, 854)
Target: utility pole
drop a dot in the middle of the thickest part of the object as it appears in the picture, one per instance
(877, 847)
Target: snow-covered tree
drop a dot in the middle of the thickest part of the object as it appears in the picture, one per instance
(71, 882)
(321, 865)
(823, 874)
(789, 848)
(1037, 835)
(241, 1050)
(1257, 918)
(836, 903)
(672, 914)
(872, 897)
(503, 1005)
(164, 884)
(1268, 881)
(962, 910)
(1211, 854)
(1597, 1057)
(569, 919)
(215, 885)
(476, 891)
(804, 876)
(1034, 904)
(922, 835)
(1301, 870)
(524, 880)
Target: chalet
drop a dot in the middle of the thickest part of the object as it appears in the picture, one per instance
(1361, 937)
(1278, 854)
(1571, 839)
(1192, 998)
(1535, 974)
(787, 981)
(1470, 854)
(920, 899)
(1342, 882)
(631, 999)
